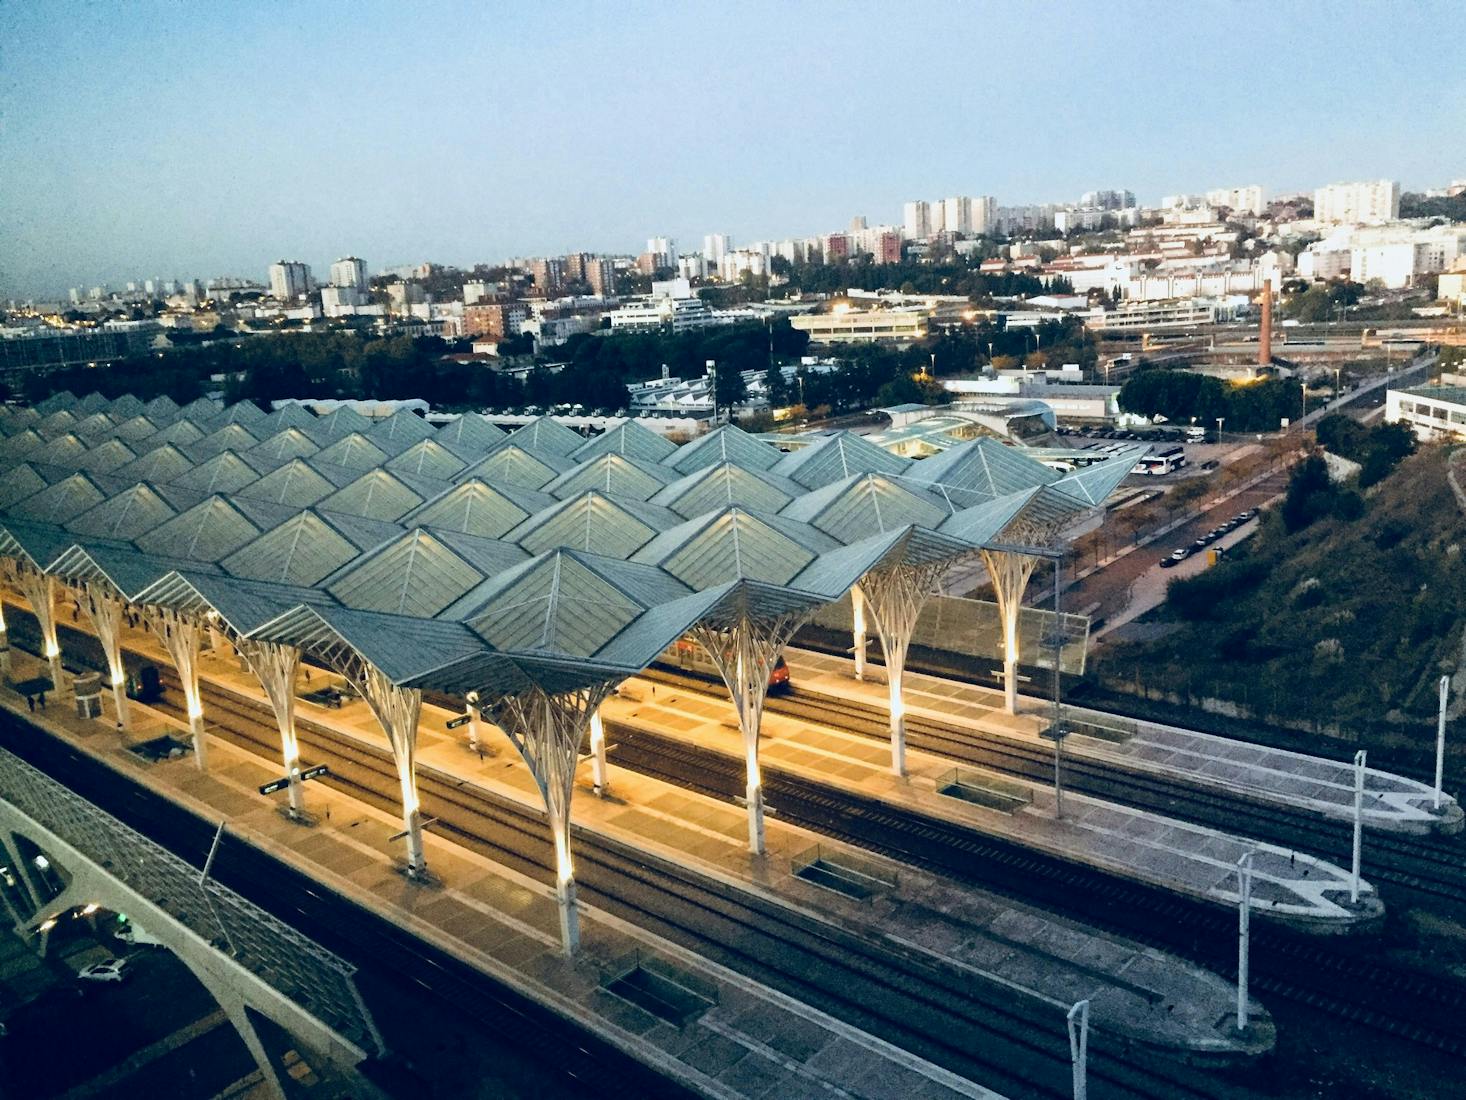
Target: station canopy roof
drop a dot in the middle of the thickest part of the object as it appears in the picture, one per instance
(458, 558)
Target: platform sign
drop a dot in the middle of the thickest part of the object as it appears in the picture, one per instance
(277, 785)
(461, 720)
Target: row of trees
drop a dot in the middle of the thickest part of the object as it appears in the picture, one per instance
(910, 277)
(1378, 450)
(1180, 396)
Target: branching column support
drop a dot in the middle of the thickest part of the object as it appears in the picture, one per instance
(276, 666)
(857, 626)
(548, 730)
(896, 597)
(4, 644)
(744, 649)
(39, 590)
(104, 609)
(397, 710)
(1009, 572)
(182, 634)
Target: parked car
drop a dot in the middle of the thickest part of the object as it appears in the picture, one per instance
(137, 935)
(108, 970)
(1175, 558)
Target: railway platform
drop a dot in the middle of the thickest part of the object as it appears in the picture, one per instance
(1275, 777)
(1140, 997)
(709, 1028)
(1290, 887)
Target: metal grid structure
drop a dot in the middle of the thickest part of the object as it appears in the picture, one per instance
(300, 969)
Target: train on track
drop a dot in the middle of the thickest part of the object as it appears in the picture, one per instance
(686, 655)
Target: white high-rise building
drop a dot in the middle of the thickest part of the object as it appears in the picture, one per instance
(916, 220)
(1367, 203)
(349, 271)
(665, 249)
(289, 279)
(957, 214)
(984, 214)
(714, 247)
(1240, 200)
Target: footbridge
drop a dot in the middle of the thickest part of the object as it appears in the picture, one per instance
(247, 959)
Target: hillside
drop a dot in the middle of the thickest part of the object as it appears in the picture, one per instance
(1348, 622)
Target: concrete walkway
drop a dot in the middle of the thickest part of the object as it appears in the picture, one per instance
(1392, 803)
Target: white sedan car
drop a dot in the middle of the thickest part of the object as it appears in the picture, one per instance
(108, 970)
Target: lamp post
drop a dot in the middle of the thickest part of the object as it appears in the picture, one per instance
(1244, 935)
(1079, 1048)
(1220, 421)
(1359, 759)
(1337, 372)
(1440, 739)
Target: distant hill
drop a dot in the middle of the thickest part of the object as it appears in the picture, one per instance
(1347, 622)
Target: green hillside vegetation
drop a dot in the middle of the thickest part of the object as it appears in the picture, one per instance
(1344, 610)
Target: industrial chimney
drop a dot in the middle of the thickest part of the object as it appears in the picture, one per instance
(1265, 338)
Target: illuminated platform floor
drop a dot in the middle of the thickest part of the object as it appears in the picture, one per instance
(746, 1040)
(1137, 993)
(1275, 776)
(1173, 855)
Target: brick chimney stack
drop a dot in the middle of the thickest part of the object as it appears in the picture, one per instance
(1265, 338)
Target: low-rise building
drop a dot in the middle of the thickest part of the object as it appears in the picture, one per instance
(863, 327)
(1433, 412)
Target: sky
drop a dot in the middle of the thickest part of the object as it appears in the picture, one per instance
(198, 139)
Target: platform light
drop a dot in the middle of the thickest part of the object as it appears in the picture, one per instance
(46, 925)
(119, 678)
(52, 650)
(90, 908)
(42, 863)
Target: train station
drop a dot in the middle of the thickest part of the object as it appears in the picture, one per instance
(546, 699)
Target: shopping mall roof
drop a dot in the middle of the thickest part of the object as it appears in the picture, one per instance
(460, 558)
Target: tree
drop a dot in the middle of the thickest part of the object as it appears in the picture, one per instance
(776, 387)
(728, 387)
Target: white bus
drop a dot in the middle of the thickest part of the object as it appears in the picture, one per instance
(1167, 460)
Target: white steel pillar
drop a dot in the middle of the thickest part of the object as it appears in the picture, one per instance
(1009, 572)
(895, 597)
(598, 774)
(397, 710)
(39, 590)
(276, 667)
(548, 730)
(182, 635)
(104, 609)
(1079, 1048)
(475, 729)
(857, 622)
(4, 644)
(744, 649)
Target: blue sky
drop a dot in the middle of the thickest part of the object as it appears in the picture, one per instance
(141, 139)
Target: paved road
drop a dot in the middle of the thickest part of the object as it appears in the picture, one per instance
(1109, 587)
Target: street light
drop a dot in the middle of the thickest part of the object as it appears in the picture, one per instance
(1440, 739)
(1244, 934)
(1359, 759)
(1079, 1048)
(1220, 421)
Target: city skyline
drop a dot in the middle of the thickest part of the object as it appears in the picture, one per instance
(512, 136)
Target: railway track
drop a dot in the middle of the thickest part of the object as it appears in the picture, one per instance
(1303, 972)
(1328, 976)
(1013, 1045)
(1430, 868)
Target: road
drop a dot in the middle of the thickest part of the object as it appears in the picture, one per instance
(1110, 587)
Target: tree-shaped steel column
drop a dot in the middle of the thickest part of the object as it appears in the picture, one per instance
(1009, 572)
(548, 730)
(39, 590)
(181, 634)
(895, 597)
(744, 648)
(104, 609)
(397, 710)
(276, 666)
